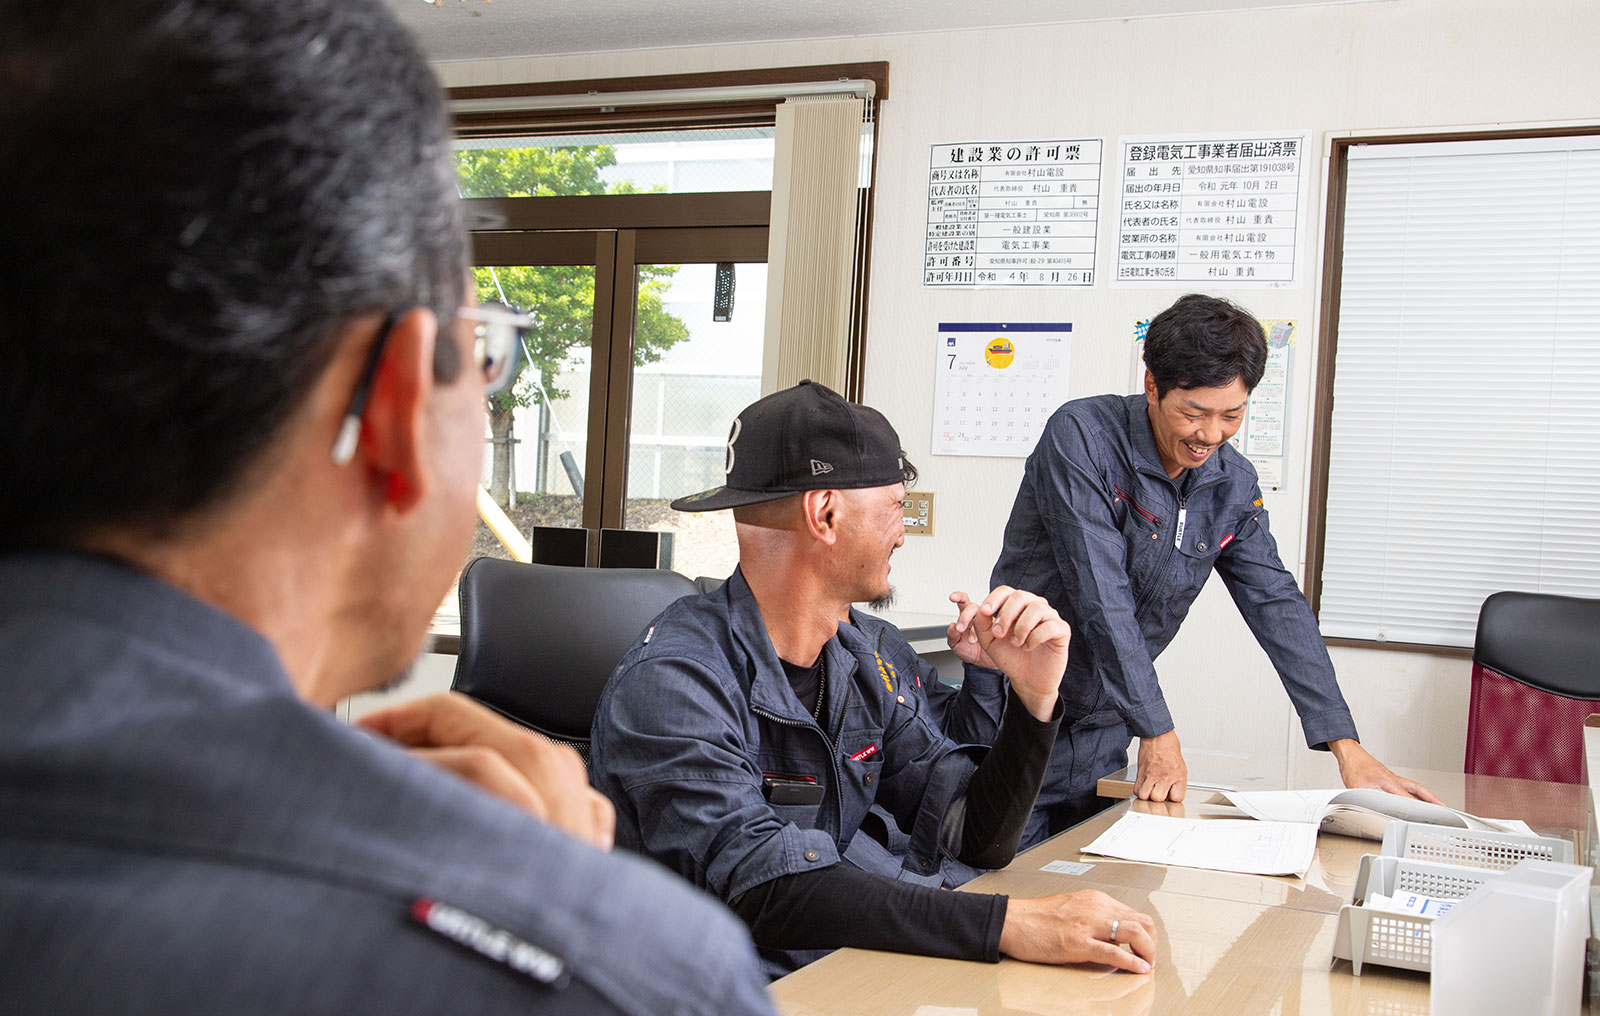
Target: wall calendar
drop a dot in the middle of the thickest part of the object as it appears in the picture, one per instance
(996, 385)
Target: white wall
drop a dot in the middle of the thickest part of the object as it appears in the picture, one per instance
(430, 674)
(1363, 68)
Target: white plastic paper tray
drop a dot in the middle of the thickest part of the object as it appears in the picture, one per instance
(1398, 940)
(1442, 861)
(1470, 848)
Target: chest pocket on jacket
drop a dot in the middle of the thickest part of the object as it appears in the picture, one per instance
(793, 798)
(805, 816)
(1142, 530)
(1204, 534)
(861, 760)
(794, 781)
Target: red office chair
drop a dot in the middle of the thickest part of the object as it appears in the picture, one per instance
(1535, 677)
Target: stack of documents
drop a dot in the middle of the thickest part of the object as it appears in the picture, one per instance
(1280, 835)
(1221, 844)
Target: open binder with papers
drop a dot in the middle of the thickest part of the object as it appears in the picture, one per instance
(1283, 838)
(1360, 812)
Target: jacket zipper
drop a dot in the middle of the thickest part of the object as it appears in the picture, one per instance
(1177, 539)
(833, 760)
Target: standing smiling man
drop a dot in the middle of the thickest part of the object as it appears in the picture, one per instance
(1126, 507)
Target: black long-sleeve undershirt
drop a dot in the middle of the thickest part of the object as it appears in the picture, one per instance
(842, 906)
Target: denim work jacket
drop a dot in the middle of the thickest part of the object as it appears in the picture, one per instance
(699, 715)
(181, 833)
(1122, 550)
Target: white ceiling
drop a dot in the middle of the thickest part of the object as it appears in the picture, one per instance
(474, 29)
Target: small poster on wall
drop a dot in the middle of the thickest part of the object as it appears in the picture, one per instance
(1207, 209)
(996, 385)
(1263, 439)
(1013, 213)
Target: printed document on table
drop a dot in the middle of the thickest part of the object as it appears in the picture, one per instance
(1362, 812)
(1242, 845)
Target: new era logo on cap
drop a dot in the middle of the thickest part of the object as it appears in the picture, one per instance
(818, 468)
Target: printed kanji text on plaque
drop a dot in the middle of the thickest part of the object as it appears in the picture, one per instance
(1012, 213)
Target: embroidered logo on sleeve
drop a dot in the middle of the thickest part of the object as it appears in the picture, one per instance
(485, 939)
(885, 671)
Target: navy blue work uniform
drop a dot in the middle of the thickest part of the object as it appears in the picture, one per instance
(181, 833)
(1121, 550)
(709, 757)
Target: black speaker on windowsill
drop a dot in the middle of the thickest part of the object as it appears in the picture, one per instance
(560, 545)
(635, 548)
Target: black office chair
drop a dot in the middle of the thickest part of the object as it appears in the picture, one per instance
(538, 641)
(1535, 677)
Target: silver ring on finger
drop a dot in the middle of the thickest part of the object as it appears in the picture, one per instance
(1114, 926)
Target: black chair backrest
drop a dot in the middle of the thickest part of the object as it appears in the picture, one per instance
(538, 641)
(1549, 642)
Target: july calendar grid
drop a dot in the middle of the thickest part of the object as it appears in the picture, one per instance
(996, 384)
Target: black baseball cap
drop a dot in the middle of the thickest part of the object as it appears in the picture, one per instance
(804, 438)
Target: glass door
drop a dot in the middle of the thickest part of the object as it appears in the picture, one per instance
(537, 446)
(697, 363)
(538, 436)
(611, 241)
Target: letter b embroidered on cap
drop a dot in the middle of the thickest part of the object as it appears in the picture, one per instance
(738, 425)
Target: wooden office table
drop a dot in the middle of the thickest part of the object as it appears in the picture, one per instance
(1227, 943)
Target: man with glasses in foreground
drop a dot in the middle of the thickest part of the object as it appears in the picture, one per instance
(237, 249)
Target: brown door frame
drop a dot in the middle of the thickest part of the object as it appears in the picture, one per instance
(672, 231)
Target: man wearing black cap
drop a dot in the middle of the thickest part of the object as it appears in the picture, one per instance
(746, 735)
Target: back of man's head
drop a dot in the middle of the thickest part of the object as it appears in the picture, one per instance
(1204, 342)
(198, 196)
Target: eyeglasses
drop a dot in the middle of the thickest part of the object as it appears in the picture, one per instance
(497, 343)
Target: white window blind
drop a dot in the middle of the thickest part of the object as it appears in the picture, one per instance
(1465, 435)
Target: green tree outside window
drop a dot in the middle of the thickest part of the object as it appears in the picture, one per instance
(560, 298)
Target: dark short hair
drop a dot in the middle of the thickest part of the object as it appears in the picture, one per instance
(1204, 342)
(198, 196)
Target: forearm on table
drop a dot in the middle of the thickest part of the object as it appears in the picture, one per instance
(839, 906)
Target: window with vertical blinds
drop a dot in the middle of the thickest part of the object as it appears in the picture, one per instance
(1464, 441)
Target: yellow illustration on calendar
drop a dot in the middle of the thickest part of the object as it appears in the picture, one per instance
(999, 353)
(996, 384)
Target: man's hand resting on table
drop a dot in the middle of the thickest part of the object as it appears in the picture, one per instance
(1162, 774)
(1019, 634)
(543, 778)
(1357, 768)
(1077, 928)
